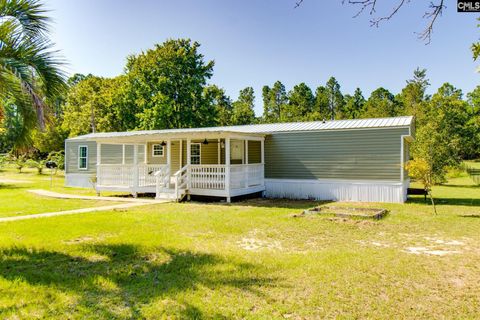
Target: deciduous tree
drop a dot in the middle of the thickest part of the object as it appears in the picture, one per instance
(167, 84)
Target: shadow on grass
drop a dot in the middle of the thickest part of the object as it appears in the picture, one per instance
(464, 186)
(280, 203)
(121, 278)
(13, 186)
(446, 201)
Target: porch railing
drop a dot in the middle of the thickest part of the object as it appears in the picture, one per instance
(246, 175)
(212, 177)
(207, 177)
(127, 175)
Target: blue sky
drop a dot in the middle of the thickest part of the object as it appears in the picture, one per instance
(258, 42)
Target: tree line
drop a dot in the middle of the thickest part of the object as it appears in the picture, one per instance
(168, 86)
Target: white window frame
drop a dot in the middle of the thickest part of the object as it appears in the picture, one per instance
(199, 153)
(79, 157)
(158, 155)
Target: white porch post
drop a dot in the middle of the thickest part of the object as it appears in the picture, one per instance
(99, 154)
(189, 160)
(135, 170)
(99, 162)
(123, 153)
(245, 167)
(227, 168)
(262, 153)
(169, 154)
(262, 159)
(218, 151)
(188, 150)
(145, 146)
(181, 154)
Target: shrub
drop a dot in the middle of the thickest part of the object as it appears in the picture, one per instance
(422, 171)
(3, 161)
(37, 164)
(58, 157)
(19, 162)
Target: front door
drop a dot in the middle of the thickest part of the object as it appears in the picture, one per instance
(236, 152)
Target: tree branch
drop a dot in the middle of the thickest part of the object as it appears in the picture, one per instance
(435, 9)
(298, 3)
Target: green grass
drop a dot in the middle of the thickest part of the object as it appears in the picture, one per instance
(15, 200)
(246, 260)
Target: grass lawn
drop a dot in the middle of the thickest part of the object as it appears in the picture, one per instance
(245, 260)
(15, 200)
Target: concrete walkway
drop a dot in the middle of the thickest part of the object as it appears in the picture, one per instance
(68, 212)
(52, 194)
(132, 203)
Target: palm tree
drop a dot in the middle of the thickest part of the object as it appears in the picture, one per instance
(30, 71)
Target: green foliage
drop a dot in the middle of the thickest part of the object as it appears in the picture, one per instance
(18, 161)
(275, 102)
(167, 84)
(354, 105)
(36, 164)
(30, 72)
(329, 102)
(421, 170)
(321, 109)
(51, 139)
(476, 47)
(12, 129)
(381, 104)
(441, 134)
(92, 106)
(301, 102)
(221, 103)
(3, 161)
(243, 112)
(58, 157)
(412, 97)
(335, 98)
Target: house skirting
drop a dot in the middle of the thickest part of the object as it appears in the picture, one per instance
(81, 180)
(338, 190)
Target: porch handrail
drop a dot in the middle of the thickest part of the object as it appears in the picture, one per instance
(162, 177)
(181, 180)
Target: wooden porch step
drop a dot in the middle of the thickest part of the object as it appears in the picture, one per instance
(169, 194)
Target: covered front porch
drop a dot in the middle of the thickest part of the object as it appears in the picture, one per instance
(173, 167)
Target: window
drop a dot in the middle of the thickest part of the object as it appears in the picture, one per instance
(195, 153)
(157, 150)
(83, 157)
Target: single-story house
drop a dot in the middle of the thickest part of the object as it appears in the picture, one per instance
(344, 160)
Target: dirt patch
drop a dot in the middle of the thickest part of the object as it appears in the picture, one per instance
(87, 238)
(374, 243)
(256, 241)
(344, 212)
(353, 221)
(427, 246)
(428, 251)
(253, 244)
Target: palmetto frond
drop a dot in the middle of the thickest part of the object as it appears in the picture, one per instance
(30, 71)
(29, 14)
